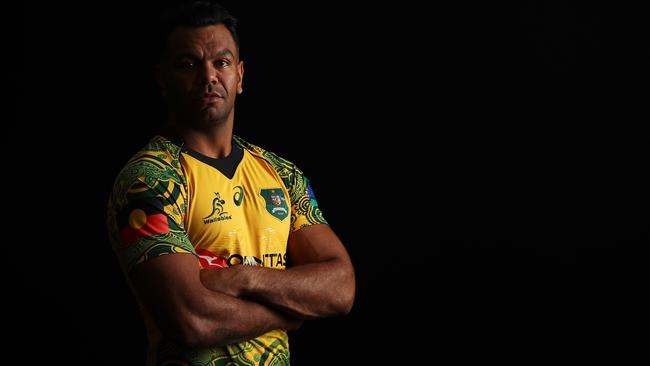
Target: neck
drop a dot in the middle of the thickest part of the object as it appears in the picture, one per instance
(214, 141)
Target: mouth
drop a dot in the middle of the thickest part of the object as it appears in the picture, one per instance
(211, 98)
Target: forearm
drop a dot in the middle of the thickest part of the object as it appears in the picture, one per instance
(221, 319)
(307, 291)
(189, 313)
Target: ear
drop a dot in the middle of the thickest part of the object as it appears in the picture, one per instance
(240, 76)
(160, 79)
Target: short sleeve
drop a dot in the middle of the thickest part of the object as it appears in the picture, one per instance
(304, 210)
(145, 218)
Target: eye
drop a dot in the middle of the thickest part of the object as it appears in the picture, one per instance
(221, 63)
(185, 64)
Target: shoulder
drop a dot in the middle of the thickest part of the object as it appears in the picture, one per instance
(156, 162)
(292, 177)
(278, 163)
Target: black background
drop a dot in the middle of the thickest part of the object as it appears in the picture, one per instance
(484, 164)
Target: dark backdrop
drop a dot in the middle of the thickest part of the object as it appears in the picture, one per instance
(484, 164)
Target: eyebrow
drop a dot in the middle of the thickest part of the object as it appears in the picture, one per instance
(193, 55)
(186, 54)
(225, 52)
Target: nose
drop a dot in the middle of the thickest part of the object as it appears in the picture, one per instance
(209, 75)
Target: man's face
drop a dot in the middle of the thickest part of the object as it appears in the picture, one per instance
(200, 75)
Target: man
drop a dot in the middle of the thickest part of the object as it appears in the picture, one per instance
(222, 242)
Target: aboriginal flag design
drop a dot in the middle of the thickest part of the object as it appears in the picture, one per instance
(142, 218)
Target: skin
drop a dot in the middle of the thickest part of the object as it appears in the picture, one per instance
(188, 312)
(199, 62)
(319, 283)
(201, 75)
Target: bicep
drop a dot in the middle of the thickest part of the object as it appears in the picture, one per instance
(163, 277)
(170, 289)
(315, 243)
(311, 239)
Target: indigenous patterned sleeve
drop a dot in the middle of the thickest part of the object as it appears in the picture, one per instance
(146, 209)
(304, 208)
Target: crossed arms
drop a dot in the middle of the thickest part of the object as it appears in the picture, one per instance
(219, 306)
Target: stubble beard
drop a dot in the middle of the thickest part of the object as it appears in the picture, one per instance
(212, 116)
(202, 119)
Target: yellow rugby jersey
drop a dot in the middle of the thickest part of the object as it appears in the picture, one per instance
(236, 210)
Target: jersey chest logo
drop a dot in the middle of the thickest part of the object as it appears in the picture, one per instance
(238, 196)
(276, 203)
(218, 213)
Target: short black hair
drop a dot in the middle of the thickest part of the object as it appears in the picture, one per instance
(193, 13)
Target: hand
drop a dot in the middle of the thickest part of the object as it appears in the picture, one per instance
(229, 280)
